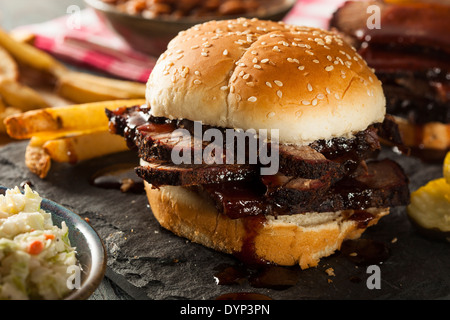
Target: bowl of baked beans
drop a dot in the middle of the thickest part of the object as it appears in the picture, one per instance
(149, 25)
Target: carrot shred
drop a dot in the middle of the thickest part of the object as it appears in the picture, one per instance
(35, 247)
(49, 236)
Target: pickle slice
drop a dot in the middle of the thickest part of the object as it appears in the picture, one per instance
(430, 209)
(447, 167)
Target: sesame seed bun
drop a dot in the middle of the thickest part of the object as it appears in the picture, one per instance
(299, 239)
(306, 82)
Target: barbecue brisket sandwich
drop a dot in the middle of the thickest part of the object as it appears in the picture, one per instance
(306, 84)
(410, 53)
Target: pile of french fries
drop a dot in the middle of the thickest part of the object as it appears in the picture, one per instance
(67, 134)
(70, 133)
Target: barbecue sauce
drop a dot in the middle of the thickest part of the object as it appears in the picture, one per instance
(362, 218)
(365, 252)
(119, 177)
(263, 276)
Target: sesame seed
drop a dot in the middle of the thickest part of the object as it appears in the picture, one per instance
(246, 76)
(242, 64)
(270, 114)
(223, 88)
(316, 61)
(275, 48)
(254, 52)
(336, 95)
(269, 84)
(225, 52)
(278, 83)
(165, 72)
(310, 88)
(250, 84)
(314, 102)
(195, 47)
(196, 81)
(204, 54)
(242, 73)
(255, 60)
(197, 73)
(328, 90)
(179, 51)
(306, 102)
(309, 52)
(301, 68)
(279, 93)
(329, 68)
(257, 66)
(252, 99)
(264, 60)
(320, 96)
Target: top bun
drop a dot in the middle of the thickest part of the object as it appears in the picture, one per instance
(252, 74)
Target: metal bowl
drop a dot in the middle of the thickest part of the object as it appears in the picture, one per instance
(151, 36)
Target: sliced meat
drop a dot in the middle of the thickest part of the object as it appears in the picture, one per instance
(305, 162)
(238, 199)
(410, 24)
(155, 139)
(161, 173)
(381, 184)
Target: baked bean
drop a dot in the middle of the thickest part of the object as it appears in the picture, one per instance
(232, 7)
(182, 8)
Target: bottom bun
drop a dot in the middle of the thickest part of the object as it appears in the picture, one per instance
(285, 240)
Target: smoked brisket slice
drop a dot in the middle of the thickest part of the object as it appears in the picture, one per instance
(381, 184)
(154, 140)
(161, 173)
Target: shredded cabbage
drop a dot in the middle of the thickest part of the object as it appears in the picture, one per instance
(34, 253)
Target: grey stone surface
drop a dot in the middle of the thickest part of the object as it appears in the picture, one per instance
(148, 262)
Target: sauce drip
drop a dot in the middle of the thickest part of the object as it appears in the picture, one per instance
(267, 276)
(365, 252)
(120, 177)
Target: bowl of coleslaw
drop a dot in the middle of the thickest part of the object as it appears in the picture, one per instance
(47, 252)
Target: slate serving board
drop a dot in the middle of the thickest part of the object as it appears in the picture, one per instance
(148, 262)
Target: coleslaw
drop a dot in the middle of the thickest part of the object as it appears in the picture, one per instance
(34, 253)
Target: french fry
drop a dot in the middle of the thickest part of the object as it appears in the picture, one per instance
(83, 88)
(29, 55)
(37, 160)
(83, 147)
(8, 67)
(6, 112)
(50, 121)
(21, 96)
